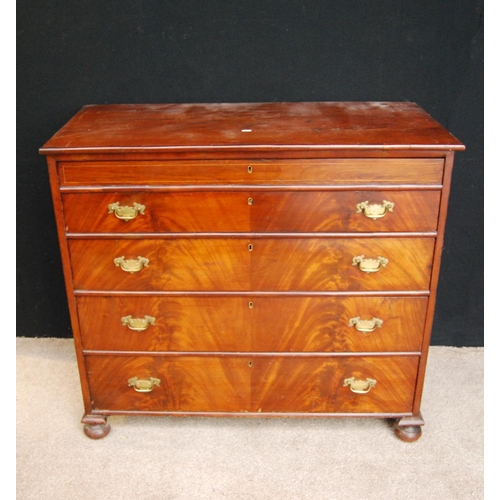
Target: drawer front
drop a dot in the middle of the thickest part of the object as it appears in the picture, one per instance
(327, 264)
(255, 323)
(275, 171)
(174, 264)
(253, 383)
(251, 211)
(267, 264)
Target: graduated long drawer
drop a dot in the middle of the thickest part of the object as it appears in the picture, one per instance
(252, 323)
(251, 211)
(251, 264)
(253, 383)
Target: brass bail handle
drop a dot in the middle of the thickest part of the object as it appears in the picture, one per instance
(143, 385)
(138, 324)
(365, 325)
(370, 265)
(126, 213)
(131, 265)
(360, 386)
(374, 210)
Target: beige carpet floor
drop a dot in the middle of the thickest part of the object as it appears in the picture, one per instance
(168, 458)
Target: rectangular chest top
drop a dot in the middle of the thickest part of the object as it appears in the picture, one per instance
(250, 126)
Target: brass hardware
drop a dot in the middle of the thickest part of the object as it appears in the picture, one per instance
(250, 201)
(365, 325)
(250, 305)
(249, 169)
(126, 213)
(143, 385)
(131, 265)
(250, 364)
(370, 265)
(138, 324)
(375, 211)
(360, 386)
(250, 247)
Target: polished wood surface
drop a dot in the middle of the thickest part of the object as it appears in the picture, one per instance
(243, 126)
(250, 229)
(251, 211)
(253, 383)
(252, 324)
(329, 171)
(273, 264)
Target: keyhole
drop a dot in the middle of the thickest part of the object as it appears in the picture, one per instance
(250, 201)
(250, 305)
(250, 364)
(249, 169)
(250, 247)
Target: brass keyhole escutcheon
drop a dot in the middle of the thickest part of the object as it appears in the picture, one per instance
(250, 247)
(250, 201)
(249, 169)
(250, 305)
(250, 364)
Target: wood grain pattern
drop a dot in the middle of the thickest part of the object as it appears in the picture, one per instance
(305, 167)
(273, 264)
(274, 126)
(273, 324)
(293, 211)
(180, 264)
(252, 383)
(326, 264)
(331, 171)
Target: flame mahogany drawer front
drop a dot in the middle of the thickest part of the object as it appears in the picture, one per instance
(266, 259)
(253, 383)
(239, 323)
(250, 211)
(243, 264)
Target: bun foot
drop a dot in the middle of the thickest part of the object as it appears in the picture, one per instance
(409, 433)
(95, 426)
(409, 429)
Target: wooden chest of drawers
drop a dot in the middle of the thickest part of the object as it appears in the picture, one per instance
(265, 259)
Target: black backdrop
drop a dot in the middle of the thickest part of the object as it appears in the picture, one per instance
(71, 53)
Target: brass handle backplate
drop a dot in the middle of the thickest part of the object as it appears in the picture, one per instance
(374, 210)
(370, 265)
(365, 325)
(360, 386)
(143, 385)
(138, 324)
(126, 213)
(131, 265)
